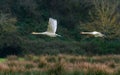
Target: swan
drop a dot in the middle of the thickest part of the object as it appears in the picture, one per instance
(94, 33)
(51, 30)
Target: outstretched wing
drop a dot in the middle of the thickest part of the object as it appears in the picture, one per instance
(52, 25)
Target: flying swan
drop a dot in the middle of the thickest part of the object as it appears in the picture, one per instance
(51, 30)
(94, 33)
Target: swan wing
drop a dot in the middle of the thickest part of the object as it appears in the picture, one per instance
(52, 25)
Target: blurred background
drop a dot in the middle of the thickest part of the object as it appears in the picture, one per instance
(18, 18)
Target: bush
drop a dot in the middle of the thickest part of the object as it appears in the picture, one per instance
(12, 57)
(57, 69)
(10, 40)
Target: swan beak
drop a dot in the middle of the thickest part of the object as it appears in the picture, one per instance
(33, 33)
(81, 32)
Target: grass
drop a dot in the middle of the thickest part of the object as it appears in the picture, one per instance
(60, 65)
(2, 60)
(24, 73)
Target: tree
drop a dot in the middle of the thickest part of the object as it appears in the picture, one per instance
(9, 40)
(104, 17)
(7, 24)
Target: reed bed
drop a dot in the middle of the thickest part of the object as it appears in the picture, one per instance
(61, 65)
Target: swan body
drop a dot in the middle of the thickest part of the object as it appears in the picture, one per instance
(94, 33)
(51, 30)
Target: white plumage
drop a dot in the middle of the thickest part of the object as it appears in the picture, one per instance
(51, 30)
(94, 33)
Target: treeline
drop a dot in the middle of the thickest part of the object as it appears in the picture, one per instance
(18, 18)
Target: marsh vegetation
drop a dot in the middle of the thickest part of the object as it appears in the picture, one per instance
(61, 65)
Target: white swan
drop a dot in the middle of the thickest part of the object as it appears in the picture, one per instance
(51, 30)
(94, 33)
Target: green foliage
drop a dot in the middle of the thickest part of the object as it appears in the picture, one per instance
(100, 46)
(8, 35)
(26, 16)
(104, 17)
(7, 24)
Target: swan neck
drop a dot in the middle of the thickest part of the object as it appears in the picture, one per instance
(86, 33)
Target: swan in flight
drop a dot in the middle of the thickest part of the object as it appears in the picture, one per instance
(94, 33)
(51, 30)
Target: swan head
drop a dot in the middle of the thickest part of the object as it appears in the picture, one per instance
(33, 33)
(81, 32)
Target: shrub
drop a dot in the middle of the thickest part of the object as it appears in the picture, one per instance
(12, 57)
(42, 62)
(57, 69)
